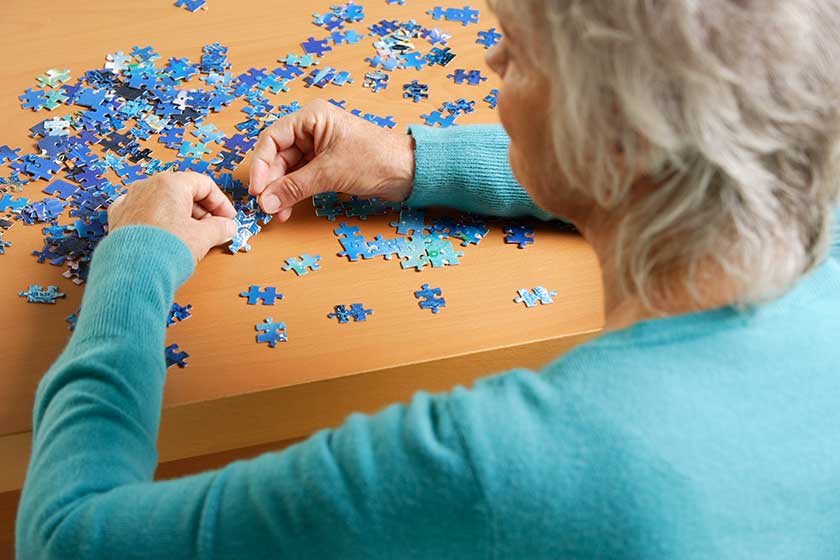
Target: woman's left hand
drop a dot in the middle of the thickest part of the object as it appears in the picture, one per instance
(186, 204)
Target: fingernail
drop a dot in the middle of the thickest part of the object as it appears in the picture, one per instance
(270, 203)
(230, 229)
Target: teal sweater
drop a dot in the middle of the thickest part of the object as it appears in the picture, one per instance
(709, 435)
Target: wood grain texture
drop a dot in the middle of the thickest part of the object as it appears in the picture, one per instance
(236, 393)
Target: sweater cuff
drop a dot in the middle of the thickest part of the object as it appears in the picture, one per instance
(466, 167)
(134, 275)
(437, 179)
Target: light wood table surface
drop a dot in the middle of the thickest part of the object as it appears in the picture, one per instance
(236, 393)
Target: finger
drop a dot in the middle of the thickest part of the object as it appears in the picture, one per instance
(294, 130)
(274, 139)
(283, 215)
(117, 202)
(290, 189)
(209, 196)
(198, 211)
(262, 174)
(215, 230)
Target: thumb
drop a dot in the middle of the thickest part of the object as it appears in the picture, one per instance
(215, 230)
(285, 192)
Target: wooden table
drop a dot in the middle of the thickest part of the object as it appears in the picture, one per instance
(236, 393)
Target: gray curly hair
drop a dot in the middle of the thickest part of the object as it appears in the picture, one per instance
(729, 106)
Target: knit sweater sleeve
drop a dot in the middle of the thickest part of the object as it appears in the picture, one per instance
(393, 485)
(466, 167)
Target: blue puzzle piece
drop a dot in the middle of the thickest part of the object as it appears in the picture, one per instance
(429, 299)
(302, 264)
(8, 203)
(327, 204)
(441, 252)
(492, 98)
(413, 253)
(413, 60)
(473, 77)
(33, 99)
(318, 47)
(191, 5)
(271, 332)
(357, 312)
(381, 247)
(382, 122)
(488, 38)
(465, 15)
(8, 154)
(411, 222)
(519, 235)
(416, 91)
(175, 357)
(539, 295)
(437, 118)
(268, 295)
(178, 313)
(354, 248)
(37, 294)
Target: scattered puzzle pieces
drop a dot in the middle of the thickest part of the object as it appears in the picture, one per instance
(302, 265)
(538, 295)
(429, 299)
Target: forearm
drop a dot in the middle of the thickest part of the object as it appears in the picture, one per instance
(366, 488)
(466, 167)
(98, 408)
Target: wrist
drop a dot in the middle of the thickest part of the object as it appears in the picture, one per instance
(401, 180)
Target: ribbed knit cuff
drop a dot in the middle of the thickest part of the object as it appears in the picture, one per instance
(466, 167)
(134, 275)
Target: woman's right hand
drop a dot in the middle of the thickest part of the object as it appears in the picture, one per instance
(323, 148)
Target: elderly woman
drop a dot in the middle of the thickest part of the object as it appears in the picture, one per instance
(695, 146)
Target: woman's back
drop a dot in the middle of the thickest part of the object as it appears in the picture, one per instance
(711, 435)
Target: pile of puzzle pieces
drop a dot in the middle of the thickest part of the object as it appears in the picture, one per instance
(139, 115)
(420, 245)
